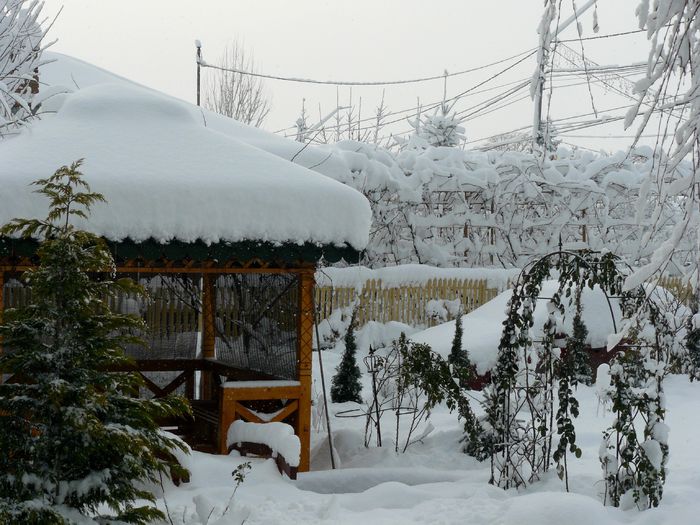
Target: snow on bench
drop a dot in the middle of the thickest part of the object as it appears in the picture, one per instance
(274, 440)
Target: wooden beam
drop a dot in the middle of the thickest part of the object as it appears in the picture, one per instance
(188, 268)
(286, 411)
(260, 393)
(247, 415)
(168, 267)
(305, 353)
(227, 415)
(155, 389)
(208, 331)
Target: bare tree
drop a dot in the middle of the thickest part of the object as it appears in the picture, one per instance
(21, 38)
(235, 94)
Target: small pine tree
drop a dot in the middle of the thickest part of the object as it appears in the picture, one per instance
(75, 443)
(577, 357)
(459, 357)
(346, 382)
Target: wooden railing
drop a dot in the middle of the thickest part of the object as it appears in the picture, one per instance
(406, 304)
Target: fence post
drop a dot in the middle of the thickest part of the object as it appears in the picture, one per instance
(305, 354)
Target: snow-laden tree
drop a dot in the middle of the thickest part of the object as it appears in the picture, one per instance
(441, 128)
(671, 86)
(449, 207)
(21, 37)
(76, 445)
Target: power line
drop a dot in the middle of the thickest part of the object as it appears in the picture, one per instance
(412, 109)
(445, 75)
(605, 136)
(598, 37)
(450, 99)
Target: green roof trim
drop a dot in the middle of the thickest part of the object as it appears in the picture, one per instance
(242, 251)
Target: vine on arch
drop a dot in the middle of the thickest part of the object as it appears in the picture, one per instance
(521, 424)
(519, 403)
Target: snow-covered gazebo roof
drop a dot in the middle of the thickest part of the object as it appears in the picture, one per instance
(170, 177)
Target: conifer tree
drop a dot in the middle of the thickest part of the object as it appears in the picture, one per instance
(346, 382)
(75, 444)
(578, 359)
(459, 357)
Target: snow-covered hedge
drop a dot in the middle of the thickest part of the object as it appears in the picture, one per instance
(445, 206)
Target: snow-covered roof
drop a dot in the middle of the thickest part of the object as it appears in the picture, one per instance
(168, 172)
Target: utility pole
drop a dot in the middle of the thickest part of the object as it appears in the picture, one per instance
(546, 39)
(198, 45)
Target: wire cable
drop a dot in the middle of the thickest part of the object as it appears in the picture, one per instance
(204, 64)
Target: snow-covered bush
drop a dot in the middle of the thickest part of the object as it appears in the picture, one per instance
(441, 128)
(448, 207)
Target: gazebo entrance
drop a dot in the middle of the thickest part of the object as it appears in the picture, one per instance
(235, 340)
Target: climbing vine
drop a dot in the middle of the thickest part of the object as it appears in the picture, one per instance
(633, 459)
(520, 421)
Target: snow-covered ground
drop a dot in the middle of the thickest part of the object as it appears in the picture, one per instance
(434, 482)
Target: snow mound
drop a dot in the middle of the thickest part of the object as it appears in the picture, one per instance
(113, 103)
(483, 327)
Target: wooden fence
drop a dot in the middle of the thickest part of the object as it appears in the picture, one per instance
(376, 302)
(406, 304)
(679, 287)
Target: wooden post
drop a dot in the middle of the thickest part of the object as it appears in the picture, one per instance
(305, 354)
(227, 415)
(208, 332)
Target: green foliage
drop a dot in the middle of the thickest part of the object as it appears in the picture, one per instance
(634, 459)
(578, 361)
(459, 356)
(427, 371)
(346, 384)
(519, 402)
(571, 370)
(74, 439)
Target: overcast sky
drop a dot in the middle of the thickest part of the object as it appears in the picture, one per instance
(152, 42)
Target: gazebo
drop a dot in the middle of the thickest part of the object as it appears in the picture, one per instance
(224, 236)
